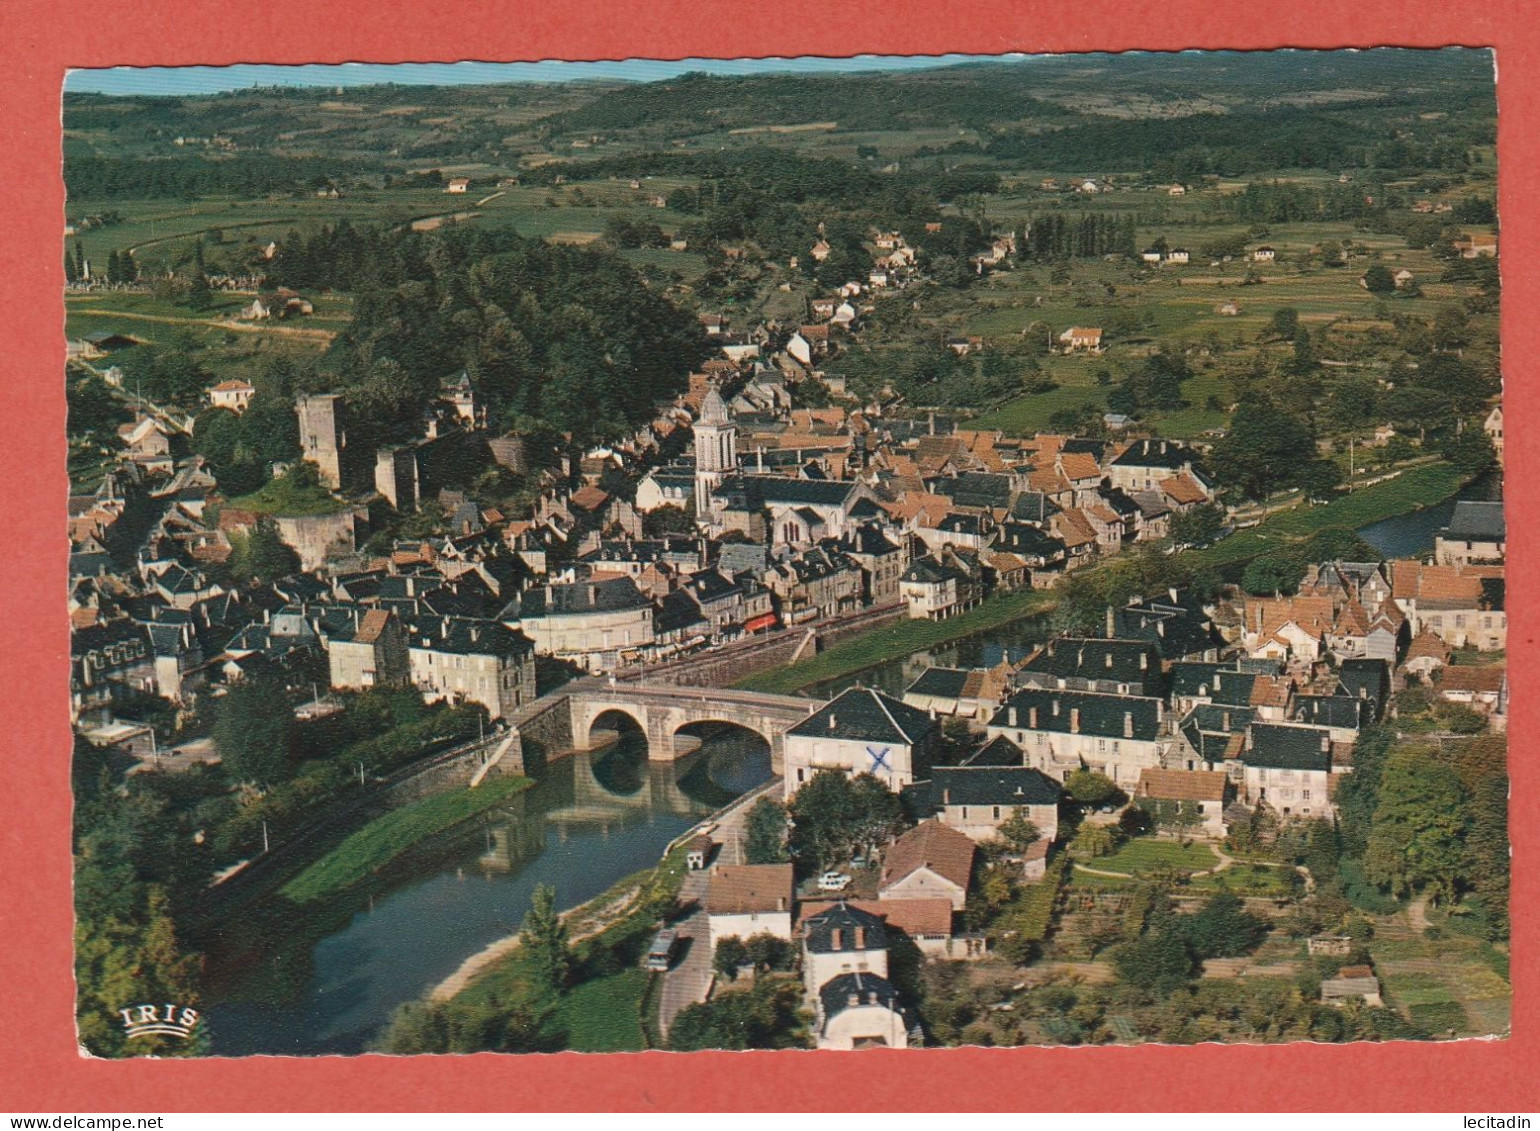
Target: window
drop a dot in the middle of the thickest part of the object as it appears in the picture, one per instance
(1304, 795)
(997, 812)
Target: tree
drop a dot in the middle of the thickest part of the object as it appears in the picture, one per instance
(543, 939)
(833, 815)
(1284, 323)
(1198, 526)
(1095, 840)
(1272, 574)
(261, 555)
(254, 729)
(1157, 961)
(1018, 832)
(765, 951)
(1319, 479)
(1222, 928)
(764, 840)
(1379, 280)
(1264, 448)
(1091, 789)
(729, 957)
(765, 1017)
(1417, 842)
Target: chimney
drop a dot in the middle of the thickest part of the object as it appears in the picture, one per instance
(1056, 708)
(1144, 661)
(1160, 628)
(1128, 724)
(831, 722)
(1218, 680)
(1074, 720)
(1109, 660)
(1111, 626)
(946, 797)
(1226, 720)
(860, 938)
(1012, 716)
(1174, 594)
(1031, 717)
(1325, 744)
(836, 936)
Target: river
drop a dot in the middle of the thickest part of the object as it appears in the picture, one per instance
(1410, 535)
(328, 982)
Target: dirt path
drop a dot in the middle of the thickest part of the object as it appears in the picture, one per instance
(323, 337)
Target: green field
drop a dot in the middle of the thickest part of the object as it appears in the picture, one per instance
(604, 1014)
(378, 843)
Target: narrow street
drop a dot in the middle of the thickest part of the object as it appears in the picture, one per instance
(689, 981)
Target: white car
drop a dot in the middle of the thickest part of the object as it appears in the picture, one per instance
(833, 881)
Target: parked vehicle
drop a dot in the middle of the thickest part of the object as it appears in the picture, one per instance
(661, 953)
(833, 881)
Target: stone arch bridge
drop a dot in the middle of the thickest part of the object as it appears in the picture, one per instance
(566, 718)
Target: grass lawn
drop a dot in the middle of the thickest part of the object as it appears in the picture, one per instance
(604, 1014)
(382, 840)
(901, 639)
(1145, 854)
(1243, 879)
(281, 497)
(1411, 490)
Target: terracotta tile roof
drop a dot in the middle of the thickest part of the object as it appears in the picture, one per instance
(1473, 679)
(371, 626)
(1425, 644)
(931, 845)
(1080, 465)
(1183, 489)
(1183, 785)
(1270, 692)
(743, 888)
(1449, 586)
(1103, 513)
(1352, 620)
(1074, 528)
(1048, 480)
(589, 498)
(1313, 615)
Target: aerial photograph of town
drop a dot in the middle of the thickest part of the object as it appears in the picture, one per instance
(787, 554)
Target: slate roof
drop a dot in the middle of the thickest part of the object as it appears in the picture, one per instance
(1340, 711)
(1365, 679)
(843, 928)
(849, 991)
(1286, 747)
(1099, 715)
(1219, 683)
(976, 489)
(780, 491)
(914, 917)
(594, 595)
(1029, 541)
(863, 714)
(998, 751)
(933, 571)
(1156, 453)
(678, 612)
(941, 683)
(1122, 661)
(1476, 521)
(992, 785)
(469, 637)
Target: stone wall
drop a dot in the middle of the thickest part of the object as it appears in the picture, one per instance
(313, 536)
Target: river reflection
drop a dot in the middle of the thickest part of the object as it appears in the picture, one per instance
(328, 982)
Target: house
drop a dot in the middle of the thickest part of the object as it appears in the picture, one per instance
(147, 442)
(471, 660)
(698, 852)
(1151, 255)
(1482, 689)
(925, 922)
(965, 693)
(1177, 190)
(930, 861)
(1148, 465)
(1065, 731)
(371, 651)
(1493, 427)
(1287, 767)
(595, 621)
(941, 585)
(842, 939)
(1263, 254)
(1476, 246)
(1404, 278)
(1426, 655)
(457, 185)
(233, 394)
(976, 800)
(1465, 605)
(1209, 790)
(1092, 663)
(1178, 256)
(1088, 338)
(862, 730)
(1229, 309)
(1353, 985)
(1476, 535)
(743, 900)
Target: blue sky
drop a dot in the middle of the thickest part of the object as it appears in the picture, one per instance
(209, 80)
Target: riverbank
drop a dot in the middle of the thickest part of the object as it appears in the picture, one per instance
(375, 845)
(903, 639)
(1412, 490)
